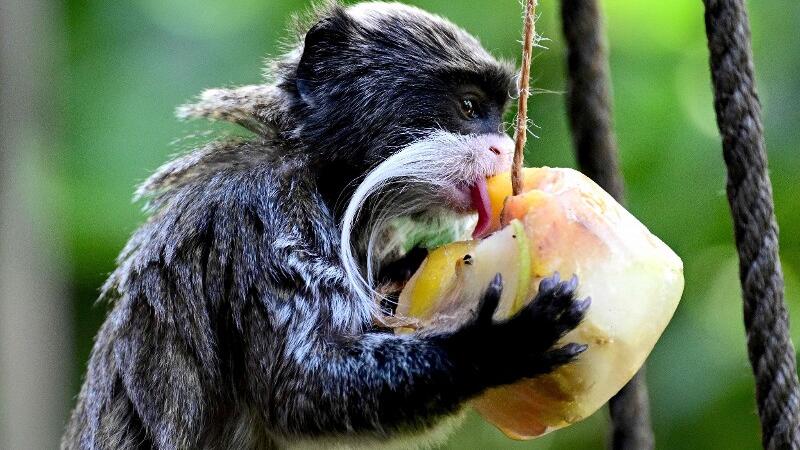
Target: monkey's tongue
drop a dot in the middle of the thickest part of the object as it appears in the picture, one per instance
(480, 201)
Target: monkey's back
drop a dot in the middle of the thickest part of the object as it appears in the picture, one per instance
(216, 281)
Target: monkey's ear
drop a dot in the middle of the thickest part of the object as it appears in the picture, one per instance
(321, 49)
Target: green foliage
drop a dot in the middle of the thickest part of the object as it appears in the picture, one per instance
(128, 64)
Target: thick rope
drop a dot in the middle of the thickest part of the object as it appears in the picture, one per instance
(589, 111)
(738, 111)
(588, 104)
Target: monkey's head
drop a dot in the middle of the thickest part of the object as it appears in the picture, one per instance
(396, 111)
(375, 77)
(402, 104)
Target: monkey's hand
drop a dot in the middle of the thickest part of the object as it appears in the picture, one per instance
(523, 346)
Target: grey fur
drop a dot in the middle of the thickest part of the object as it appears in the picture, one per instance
(234, 324)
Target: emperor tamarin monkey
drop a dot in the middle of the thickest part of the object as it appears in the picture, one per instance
(243, 314)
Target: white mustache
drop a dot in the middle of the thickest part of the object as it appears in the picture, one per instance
(407, 182)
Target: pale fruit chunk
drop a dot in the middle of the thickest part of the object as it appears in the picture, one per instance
(448, 285)
(563, 223)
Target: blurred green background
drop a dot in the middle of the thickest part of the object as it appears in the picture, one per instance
(112, 73)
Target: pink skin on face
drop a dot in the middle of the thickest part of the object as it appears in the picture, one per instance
(500, 150)
(493, 153)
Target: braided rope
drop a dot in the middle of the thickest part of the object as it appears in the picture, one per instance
(588, 95)
(589, 111)
(738, 111)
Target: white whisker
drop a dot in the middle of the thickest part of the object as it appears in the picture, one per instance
(420, 177)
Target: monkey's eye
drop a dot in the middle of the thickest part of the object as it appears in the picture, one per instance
(469, 107)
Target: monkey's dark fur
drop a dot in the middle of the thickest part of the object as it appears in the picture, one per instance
(234, 325)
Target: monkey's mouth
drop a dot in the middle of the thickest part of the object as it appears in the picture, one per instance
(479, 196)
(467, 197)
(474, 197)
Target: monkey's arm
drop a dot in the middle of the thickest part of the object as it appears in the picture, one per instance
(379, 383)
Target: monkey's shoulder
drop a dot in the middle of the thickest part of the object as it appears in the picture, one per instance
(236, 211)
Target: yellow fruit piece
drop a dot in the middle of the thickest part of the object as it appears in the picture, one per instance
(561, 222)
(434, 278)
(499, 188)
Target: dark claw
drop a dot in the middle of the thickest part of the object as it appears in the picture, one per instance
(572, 284)
(553, 313)
(490, 300)
(494, 351)
(573, 349)
(549, 283)
(562, 288)
(573, 316)
(582, 306)
(563, 355)
(496, 284)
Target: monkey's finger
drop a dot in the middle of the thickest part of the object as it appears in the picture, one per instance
(549, 283)
(563, 355)
(490, 300)
(576, 312)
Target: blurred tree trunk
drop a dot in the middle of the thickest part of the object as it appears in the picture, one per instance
(35, 339)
